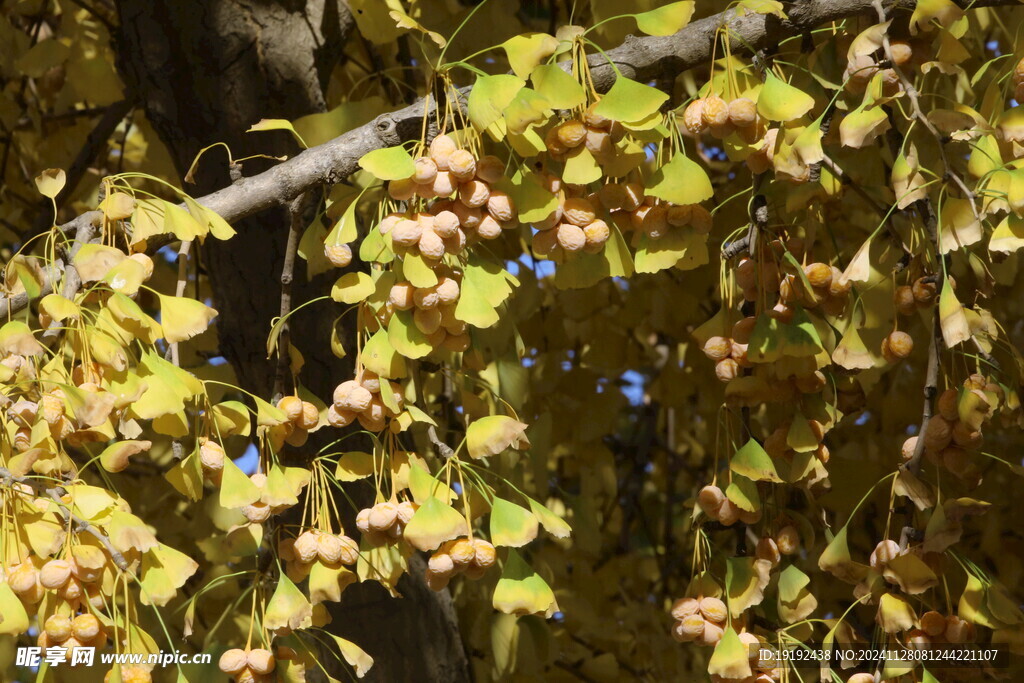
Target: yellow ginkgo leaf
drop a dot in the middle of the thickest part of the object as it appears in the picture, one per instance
(182, 318)
(51, 181)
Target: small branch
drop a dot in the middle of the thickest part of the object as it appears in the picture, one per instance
(55, 493)
(919, 115)
(82, 525)
(443, 449)
(296, 211)
(736, 247)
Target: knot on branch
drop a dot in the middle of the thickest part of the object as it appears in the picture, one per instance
(386, 128)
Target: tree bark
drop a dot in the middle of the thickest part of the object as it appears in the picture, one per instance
(205, 71)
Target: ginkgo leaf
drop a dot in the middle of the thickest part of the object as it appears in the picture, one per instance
(1008, 236)
(493, 434)
(521, 590)
(489, 98)
(117, 206)
(354, 466)
(860, 127)
(50, 182)
(388, 163)
(527, 50)
(403, 20)
(231, 418)
(665, 20)
(552, 523)
(351, 288)
(288, 609)
(680, 181)
(952, 320)
(328, 582)
(836, 560)
(58, 307)
(894, 614)
(745, 581)
(731, 659)
(15, 618)
(182, 318)
(910, 573)
(236, 489)
(859, 267)
(16, 338)
(780, 101)
(557, 86)
(753, 462)
(511, 524)
(380, 357)
(93, 261)
(114, 457)
(959, 226)
(629, 101)
(164, 571)
(528, 108)
(354, 655)
(851, 353)
(406, 338)
(277, 124)
(581, 167)
(434, 523)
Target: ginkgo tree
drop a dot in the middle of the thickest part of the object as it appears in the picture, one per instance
(513, 341)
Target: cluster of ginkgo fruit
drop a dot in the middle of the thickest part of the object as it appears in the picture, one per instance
(385, 522)
(249, 665)
(465, 206)
(701, 620)
(313, 546)
(713, 501)
(955, 430)
(360, 399)
(712, 114)
(861, 68)
(434, 309)
(472, 557)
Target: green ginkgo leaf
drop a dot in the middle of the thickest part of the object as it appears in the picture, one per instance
(665, 20)
(236, 489)
(434, 523)
(388, 163)
(527, 50)
(380, 357)
(288, 609)
(521, 590)
(628, 101)
(558, 87)
(164, 571)
(552, 523)
(489, 98)
(533, 201)
(511, 524)
(406, 338)
(754, 463)
(681, 248)
(182, 318)
(743, 492)
(528, 108)
(836, 560)
(680, 181)
(581, 167)
(231, 418)
(780, 101)
(731, 659)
